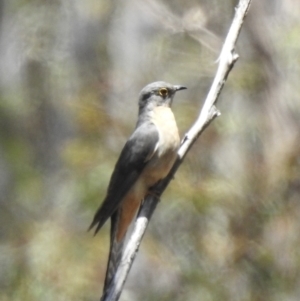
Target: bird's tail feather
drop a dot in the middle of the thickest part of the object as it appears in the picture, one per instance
(115, 254)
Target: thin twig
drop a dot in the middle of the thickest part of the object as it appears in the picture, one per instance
(209, 112)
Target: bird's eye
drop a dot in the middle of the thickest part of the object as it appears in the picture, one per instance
(163, 92)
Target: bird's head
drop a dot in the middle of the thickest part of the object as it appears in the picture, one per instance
(157, 94)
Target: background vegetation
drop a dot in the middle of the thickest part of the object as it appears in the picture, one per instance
(70, 72)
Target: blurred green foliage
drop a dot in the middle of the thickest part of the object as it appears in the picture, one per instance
(70, 73)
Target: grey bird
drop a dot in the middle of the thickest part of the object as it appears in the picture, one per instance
(146, 158)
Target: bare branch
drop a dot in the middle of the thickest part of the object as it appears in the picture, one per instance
(209, 112)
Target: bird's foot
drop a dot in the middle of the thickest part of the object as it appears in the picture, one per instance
(154, 193)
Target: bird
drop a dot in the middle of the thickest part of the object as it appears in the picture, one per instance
(146, 158)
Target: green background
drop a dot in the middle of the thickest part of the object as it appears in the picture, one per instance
(228, 225)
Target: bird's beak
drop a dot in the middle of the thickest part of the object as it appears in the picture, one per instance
(178, 88)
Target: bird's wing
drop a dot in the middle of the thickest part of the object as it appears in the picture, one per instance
(138, 150)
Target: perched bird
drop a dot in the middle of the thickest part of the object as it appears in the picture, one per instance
(146, 158)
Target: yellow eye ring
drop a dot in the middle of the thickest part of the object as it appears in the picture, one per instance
(163, 92)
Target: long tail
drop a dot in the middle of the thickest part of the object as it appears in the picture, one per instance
(115, 254)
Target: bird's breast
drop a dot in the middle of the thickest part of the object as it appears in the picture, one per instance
(164, 120)
(167, 146)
